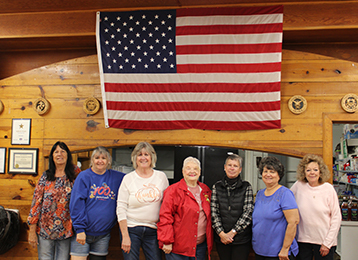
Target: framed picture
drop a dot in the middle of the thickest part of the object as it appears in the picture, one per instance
(23, 160)
(21, 131)
(2, 159)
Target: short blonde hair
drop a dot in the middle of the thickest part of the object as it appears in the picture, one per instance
(138, 148)
(323, 168)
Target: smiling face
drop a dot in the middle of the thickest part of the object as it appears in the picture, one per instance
(232, 168)
(99, 163)
(144, 159)
(191, 173)
(270, 177)
(59, 156)
(312, 173)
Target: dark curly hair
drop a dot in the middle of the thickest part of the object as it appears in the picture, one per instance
(272, 163)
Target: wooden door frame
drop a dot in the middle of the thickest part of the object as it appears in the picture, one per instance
(328, 121)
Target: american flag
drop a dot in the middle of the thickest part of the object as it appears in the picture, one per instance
(202, 68)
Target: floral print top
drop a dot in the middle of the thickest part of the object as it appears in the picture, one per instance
(50, 208)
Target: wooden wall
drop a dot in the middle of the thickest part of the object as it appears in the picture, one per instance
(322, 79)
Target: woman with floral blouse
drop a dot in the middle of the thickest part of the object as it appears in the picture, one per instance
(49, 218)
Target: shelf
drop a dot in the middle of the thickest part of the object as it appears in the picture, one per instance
(343, 182)
(347, 171)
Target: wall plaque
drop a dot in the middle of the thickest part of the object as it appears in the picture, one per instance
(349, 103)
(297, 104)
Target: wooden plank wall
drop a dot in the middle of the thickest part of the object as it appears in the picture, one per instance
(322, 79)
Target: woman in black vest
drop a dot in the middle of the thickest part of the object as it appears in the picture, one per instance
(232, 205)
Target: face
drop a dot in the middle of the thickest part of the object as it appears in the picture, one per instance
(270, 177)
(312, 173)
(191, 172)
(59, 156)
(232, 168)
(99, 163)
(144, 159)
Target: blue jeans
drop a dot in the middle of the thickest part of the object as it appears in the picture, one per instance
(49, 249)
(200, 254)
(146, 238)
(95, 245)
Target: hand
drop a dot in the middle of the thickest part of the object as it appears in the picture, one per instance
(81, 238)
(126, 244)
(283, 254)
(324, 250)
(167, 248)
(226, 238)
(33, 240)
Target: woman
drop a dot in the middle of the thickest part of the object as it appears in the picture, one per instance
(232, 204)
(138, 204)
(49, 218)
(319, 210)
(184, 228)
(275, 215)
(93, 207)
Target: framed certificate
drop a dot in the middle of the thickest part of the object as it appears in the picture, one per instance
(21, 130)
(2, 159)
(23, 160)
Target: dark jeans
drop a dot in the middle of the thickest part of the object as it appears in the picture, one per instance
(260, 257)
(146, 238)
(307, 251)
(200, 254)
(233, 252)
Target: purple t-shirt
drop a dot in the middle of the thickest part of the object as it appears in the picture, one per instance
(269, 222)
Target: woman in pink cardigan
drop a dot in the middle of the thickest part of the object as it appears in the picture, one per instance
(320, 215)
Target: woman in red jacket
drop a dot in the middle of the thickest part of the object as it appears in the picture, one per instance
(184, 227)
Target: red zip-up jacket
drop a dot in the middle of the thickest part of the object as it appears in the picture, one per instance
(178, 218)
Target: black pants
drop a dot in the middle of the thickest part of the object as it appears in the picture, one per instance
(307, 251)
(233, 252)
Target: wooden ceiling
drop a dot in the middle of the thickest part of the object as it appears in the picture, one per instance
(31, 25)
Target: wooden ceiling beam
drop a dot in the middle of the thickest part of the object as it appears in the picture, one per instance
(304, 22)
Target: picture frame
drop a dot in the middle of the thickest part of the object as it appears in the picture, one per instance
(2, 159)
(23, 161)
(21, 131)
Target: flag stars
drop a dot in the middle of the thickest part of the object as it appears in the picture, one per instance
(170, 40)
(106, 18)
(171, 53)
(159, 66)
(112, 24)
(145, 53)
(114, 61)
(109, 67)
(124, 24)
(144, 41)
(106, 42)
(113, 36)
(171, 66)
(150, 22)
(113, 48)
(120, 67)
(119, 42)
(118, 29)
(163, 34)
(163, 22)
(108, 55)
(137, 23)
(157, 41)
(146, 66)
(151, 59)
(120, 54)
(138, 47)
(151, 47)
(126, 60)
(143, 17)
(131, 29)
(137, 35)
(125, 48)
(169, 16)
(164, 47)
(118, 18)
(131, 17)
(150, 34)
(144, 29)
(170, 28)
(139, 60)
(106, 30)
(133, 66)
(157, 53)
(156, 16)
(156, 28)
(132, 54)
(131, 41)
(125, 36)
(165, 60)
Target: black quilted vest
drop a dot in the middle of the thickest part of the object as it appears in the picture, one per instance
(231, 208)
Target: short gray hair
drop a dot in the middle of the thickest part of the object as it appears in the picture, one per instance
(191, 159)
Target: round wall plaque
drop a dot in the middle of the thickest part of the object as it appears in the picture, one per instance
(349, 103)
(297, 104)
(41, 106)
(91, 106)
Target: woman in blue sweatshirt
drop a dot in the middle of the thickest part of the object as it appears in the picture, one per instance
(93, 207)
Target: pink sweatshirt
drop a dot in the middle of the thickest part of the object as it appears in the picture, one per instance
(320, 214)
